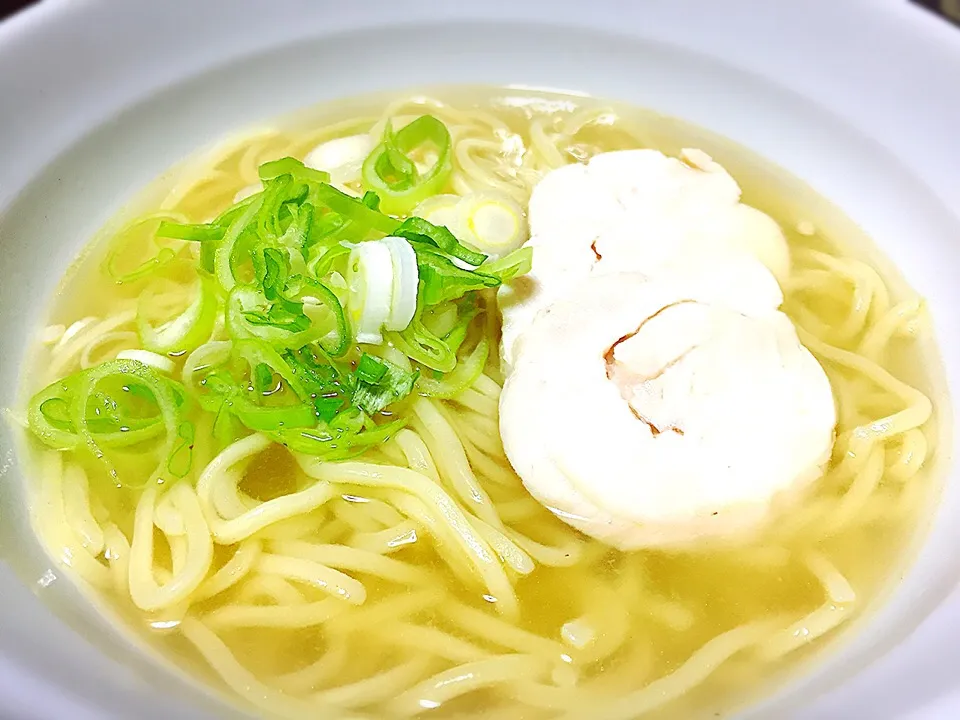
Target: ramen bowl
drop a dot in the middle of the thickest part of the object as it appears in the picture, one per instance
(860, 104)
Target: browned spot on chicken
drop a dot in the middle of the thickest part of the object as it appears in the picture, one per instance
(611, 365)
(593, 246)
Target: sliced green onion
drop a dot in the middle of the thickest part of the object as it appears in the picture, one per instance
(262, 378)
(441, 280)
(370, 369)
(161, 391)
(209, 355)
(224, 257)
(318, 373)
(265, 419)
(440, 210)
(293, 167)
(455, 337)
(315, 297)
(276, 266)
(370, 275)
(340, 439)
(163, 258)
(389, 171)
(125, 238)
(463, 376)
(380, 383)
(188, 330)
(441, 319)
(323, 264)
(157, 362)
(406, 282)
(257, 353)
(419, 230)
(203, 232)
(49, 416)
(517, 263)
(224, 426)
(355, 209)
(424, 347)
(181, 457)
(490, 222)
(276, 194)
(206, 233)
(327, 407)
(251, 315)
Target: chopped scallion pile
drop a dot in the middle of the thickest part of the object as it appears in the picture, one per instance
(295, 287)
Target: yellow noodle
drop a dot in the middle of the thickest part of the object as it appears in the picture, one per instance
(520, 509)
(258, 587)
(477, 550)
(566, 555)
(332, 530)
(481, 432)
(804, 631)
(694, 671)
(463, 679)
(334, 582)
(544, 145)
(424, 638)
(430, 524)
(384, 513)
(834, 584)
(305, 525)
(417, 454)
(376, 688)
(144, 590)
(347, 513)
(66, 357)
(231, 572)
(286, 615)
(507, 549)
(96, 351)
(496, 630)
(477, 402)
(909, 456)
(241, 681)
(76, 507)
(840, 598)
(355, 560)
(864, 485)
(178, 554)
(229, 502)
(386, 541)
(387, 611)
(487, 468)
(62, 542)
(220, 470)
(486, 385)
(117, 552)
(878, 336)
(608, 617)
(320, 672)
(448, 454)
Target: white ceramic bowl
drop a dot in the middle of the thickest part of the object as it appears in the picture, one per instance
(859, 98)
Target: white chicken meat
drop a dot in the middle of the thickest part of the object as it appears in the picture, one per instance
(633, 210)
(655, 412)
